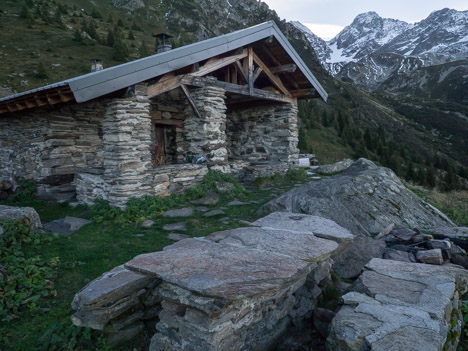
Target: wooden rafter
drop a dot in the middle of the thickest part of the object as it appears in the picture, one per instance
(163, 86)
(218, 63)
(277, 63)
(273, 77)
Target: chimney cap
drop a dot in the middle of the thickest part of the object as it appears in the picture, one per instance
(163, 36)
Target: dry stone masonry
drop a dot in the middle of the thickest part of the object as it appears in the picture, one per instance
(107, 148)
(401, 306)
(232, 290)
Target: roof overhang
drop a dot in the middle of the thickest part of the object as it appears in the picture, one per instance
(94, 85)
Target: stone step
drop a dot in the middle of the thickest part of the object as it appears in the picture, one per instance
(401, 306)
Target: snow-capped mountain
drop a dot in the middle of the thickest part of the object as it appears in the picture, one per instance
(373, 52)
(367, 34)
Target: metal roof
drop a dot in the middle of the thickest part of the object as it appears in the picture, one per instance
(96, 84)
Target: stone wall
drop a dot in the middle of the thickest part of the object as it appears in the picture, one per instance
(206, 135)
(177, 178)
(44, 143)
(234, 290)
(265, 133)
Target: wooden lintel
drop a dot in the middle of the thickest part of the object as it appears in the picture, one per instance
(169, 122)
(273, 77)
(303, 92)
(214, 65)
(163, 86)
(203, 82)
(284, 68)
(191, 101)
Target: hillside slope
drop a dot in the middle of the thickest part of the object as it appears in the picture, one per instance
(44, 42)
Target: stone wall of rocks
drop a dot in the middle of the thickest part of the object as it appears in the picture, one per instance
(52, 142)
(177, 178)
(119, 302)
(401, 306)
(206, 136)
(266, 133)
(234, 290)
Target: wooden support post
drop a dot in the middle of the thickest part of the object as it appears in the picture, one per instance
(191, 101)
(251, 71)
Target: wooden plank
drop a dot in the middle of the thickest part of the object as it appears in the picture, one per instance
(169, 122)
(191, 101)
(203, 82)
(284, 68)
(274, 78)
(214, 65)
(164, 86)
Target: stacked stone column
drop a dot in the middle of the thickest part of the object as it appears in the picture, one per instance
(206, 135)
(127, 148)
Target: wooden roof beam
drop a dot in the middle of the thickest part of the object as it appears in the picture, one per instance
(273, 77)
(284, 68)
(203, 82)
(214, 65)
(164, 86)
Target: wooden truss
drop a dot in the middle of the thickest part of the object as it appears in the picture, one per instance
(237, 74)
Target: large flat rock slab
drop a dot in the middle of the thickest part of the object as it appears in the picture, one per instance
(221, 270)
(320, 227)
(399, 306)
(304, 246)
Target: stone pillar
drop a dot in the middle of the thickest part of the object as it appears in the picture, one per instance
(127, 148)
(206, 136)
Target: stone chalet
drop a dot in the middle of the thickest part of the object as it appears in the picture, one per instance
(138, 128)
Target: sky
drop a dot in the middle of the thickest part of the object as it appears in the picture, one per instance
(326, 18)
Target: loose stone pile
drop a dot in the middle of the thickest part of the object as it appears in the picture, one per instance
(398, 306)
(232, 290)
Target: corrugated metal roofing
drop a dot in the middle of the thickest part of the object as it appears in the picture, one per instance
(96, 84)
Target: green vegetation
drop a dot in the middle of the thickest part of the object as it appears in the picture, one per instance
(67, 263)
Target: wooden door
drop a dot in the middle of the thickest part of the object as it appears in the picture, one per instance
(159, 146)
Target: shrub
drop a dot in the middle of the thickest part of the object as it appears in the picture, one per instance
(26, 279)
(25, 192)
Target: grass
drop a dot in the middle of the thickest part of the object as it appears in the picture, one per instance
(99, 247)
(453, 203)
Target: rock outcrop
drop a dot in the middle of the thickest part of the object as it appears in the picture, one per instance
(401, 306)
(26, 215)
(364, 199)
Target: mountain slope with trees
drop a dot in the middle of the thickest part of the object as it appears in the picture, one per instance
(47, 41)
